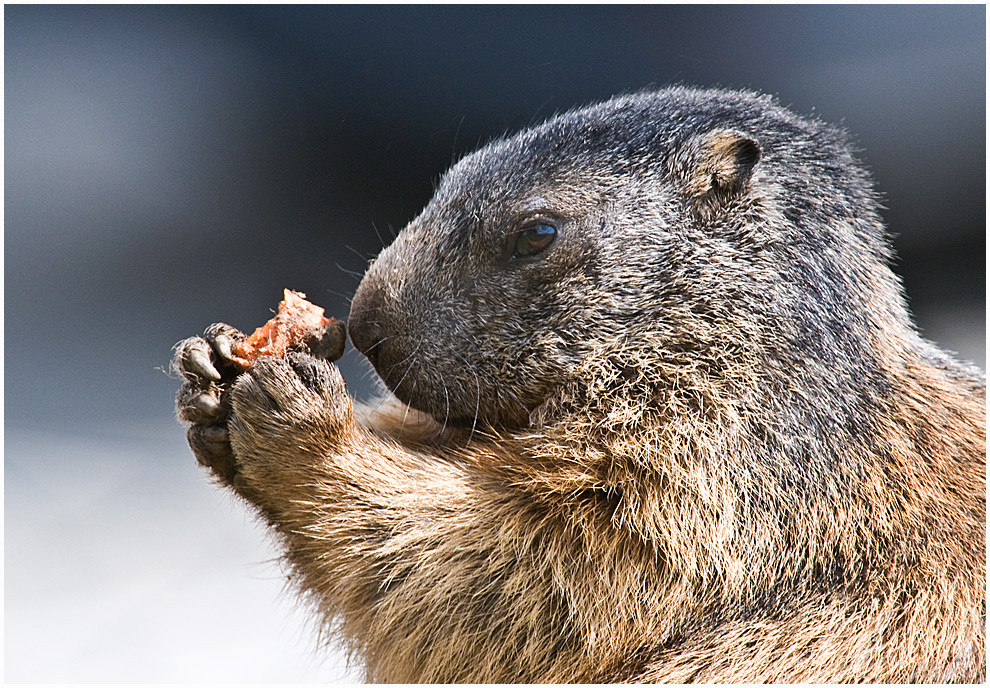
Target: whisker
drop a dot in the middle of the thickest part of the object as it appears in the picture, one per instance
(446, 396)
(453, 145)
(381, 240)
(357, 253)
(477, 405)
(402, 426)
(339, 294)
(352, 273)
(408, 369)
(477, 396)
(380, 341)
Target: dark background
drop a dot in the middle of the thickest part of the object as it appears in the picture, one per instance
(166, 167)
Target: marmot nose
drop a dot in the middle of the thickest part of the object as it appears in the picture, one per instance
(364, 323)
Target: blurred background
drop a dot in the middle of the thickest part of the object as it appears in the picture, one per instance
(167, 167)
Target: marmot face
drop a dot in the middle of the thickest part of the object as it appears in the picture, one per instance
(685, 220)
(481, 305)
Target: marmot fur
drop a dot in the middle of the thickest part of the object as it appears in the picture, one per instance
(659, 414)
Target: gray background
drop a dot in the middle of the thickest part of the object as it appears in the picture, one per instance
(169, 167)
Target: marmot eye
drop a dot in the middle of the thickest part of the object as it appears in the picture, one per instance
(533, 240)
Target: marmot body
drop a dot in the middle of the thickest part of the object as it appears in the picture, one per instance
(664, 417)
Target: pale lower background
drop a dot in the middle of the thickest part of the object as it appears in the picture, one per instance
(166, 167)
(125, 571)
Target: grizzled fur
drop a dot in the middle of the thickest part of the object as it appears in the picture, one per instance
(697, 438)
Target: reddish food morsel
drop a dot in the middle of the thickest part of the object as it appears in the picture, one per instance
(297, 323)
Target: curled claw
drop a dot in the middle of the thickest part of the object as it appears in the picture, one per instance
(222, 337)
(223, 345)
(215, 436)
(195, 360)
(196, 405)
(206, 403)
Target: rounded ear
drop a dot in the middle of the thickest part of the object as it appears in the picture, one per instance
(732, 157)
(718, 165)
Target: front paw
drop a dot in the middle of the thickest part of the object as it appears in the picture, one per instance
(204, 399)
(281, 405)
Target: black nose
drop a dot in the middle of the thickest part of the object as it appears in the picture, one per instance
(365, 321)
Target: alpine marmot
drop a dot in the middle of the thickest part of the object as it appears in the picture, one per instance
(657, 412)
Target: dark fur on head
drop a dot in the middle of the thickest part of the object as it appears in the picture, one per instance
(702, 224)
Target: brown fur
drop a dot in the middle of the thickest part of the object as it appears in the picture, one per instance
(716, 476)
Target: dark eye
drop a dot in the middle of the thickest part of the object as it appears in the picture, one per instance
(533, 239)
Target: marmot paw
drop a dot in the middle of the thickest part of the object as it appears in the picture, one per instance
(205, 363)
(203, 400)
(286, 400)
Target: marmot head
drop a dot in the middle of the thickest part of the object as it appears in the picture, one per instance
(676, 227)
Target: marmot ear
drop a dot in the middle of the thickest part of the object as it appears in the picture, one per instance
(717, 166)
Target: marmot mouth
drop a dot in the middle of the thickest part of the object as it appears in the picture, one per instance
(457, 404)
(451, 400)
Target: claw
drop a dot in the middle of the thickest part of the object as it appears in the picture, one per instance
(223, 346)
(206, 403)
(215, 434)
(196, 360)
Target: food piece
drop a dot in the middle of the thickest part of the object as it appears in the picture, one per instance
(298, 324)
